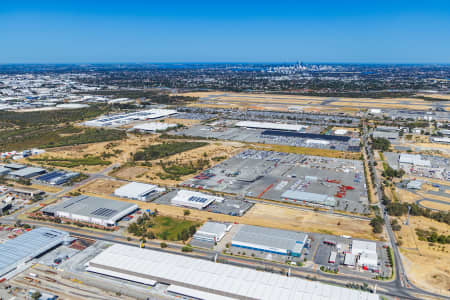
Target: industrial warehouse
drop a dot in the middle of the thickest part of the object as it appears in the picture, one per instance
(295, 178)
(118, 120)
(92, 210)
(139, 191)
(153, 127)
(437, 167)
(298, 135)
(210, 233)
(194, 199)
(201, 279)
(270, 241)
(40, 175)
(17, 252)
(205, 201)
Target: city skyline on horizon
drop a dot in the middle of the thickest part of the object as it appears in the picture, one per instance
(403, 32)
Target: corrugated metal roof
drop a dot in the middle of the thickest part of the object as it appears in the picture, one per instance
(27, 172)
(213, 228)
(322, 199)
(96, 207)
(27, 246)
(135, 190)
(207, 276)
(270, 237)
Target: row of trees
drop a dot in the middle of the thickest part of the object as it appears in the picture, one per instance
(165, 149)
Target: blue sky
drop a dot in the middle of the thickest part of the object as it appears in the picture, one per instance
(80, 31)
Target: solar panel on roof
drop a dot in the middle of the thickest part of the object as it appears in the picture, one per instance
(197, 199)
(104, 212)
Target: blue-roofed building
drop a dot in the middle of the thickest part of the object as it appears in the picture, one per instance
(28, 246)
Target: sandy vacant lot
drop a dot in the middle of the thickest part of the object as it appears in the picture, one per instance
(407, 196)
(436, 205)
(381, 105)
(428, 266)
(149, 174)
(274, 216)
(102, 186)
(123, 148)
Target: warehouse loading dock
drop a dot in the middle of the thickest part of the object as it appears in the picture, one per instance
(215, 278)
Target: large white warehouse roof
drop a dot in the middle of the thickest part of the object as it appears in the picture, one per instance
(268, 125)
(137, 190)
(194, 199)
(216, 278)
(27, 246)
(154, 126)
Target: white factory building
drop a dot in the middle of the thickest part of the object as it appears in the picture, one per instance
(269, 125)
(126, 118)
(270, 240)
(212, 231)
(195, 278)
(18, 251)
(99, 211)
(194, 199)
(153, 127)
(414, 159)
(365, 253)
(138, 191)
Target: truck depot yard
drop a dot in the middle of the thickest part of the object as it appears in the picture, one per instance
(301, 179)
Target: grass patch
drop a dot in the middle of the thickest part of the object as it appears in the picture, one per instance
(54, 136)
(71, 162)
(163, 227)
(174, 171)
(166, 149)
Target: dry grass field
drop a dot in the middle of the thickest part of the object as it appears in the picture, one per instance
(436, 205)
(185, 122)
(427, 265)
(209, 152)
(243, 99)
(435, 197)
(101, 187)
(356, 103)
(407, 196)
(276, 217)
(122, 148)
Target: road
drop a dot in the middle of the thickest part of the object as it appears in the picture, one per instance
(401, 280)
(399, 287)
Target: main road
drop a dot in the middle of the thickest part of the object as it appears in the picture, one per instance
(401, 280)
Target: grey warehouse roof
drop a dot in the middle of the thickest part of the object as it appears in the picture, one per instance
(27, 172)
(270, 237)
(227, 280)
(96, 207)
(310, 197)
(28, 246)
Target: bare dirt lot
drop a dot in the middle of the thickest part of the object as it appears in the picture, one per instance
(211, 152)
(407, 196)
(115, 152)
(277, 217)
(102, 186)
(436, 205)
(427, 265)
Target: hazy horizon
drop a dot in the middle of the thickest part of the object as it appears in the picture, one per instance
(385, 32)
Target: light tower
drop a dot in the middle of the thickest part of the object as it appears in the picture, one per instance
(407, 219)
